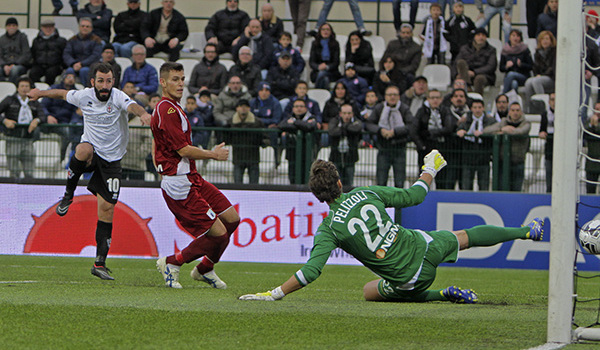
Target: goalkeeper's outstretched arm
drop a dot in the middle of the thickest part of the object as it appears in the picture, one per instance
(286, 288)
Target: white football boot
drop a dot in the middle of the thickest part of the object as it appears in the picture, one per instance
(169, 272)
(209, 277)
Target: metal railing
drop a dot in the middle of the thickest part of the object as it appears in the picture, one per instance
(271, 151)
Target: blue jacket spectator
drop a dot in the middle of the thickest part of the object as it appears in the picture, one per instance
(266, 107)
(312, 105)
(145, 77)
(60, 109)
(100, 15)
(86, 49)
(357, 86)
(285, 44)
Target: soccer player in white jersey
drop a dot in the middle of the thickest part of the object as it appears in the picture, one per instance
(405, 260)
(103, 144)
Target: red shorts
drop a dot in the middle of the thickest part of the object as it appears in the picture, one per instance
(198, 212)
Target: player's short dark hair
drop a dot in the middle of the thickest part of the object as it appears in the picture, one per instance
(101, 67)
(168, 67)
(323, 181)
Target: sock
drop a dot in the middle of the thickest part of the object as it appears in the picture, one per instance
(103, 238)
(428, 295)
(212, 247)
(205, 266)
(488, 235)
(76, 168)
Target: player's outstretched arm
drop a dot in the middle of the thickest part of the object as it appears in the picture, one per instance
(140, 112)
(276, 294)
(54, 93)
(193, 152)
(432, 164)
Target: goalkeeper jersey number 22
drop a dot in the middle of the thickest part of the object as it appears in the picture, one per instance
(358, 224)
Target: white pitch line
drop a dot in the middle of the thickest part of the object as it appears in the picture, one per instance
(11, 282)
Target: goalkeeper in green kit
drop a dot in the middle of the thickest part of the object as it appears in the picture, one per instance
(406, 260)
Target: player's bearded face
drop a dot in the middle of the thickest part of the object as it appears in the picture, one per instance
(103, 83)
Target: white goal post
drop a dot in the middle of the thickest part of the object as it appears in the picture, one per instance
(565, 181)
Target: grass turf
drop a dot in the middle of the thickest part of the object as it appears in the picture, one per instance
(55, 303)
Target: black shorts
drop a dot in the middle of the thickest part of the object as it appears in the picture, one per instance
(106, 179)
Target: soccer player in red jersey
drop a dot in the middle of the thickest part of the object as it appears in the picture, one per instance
(197, 204)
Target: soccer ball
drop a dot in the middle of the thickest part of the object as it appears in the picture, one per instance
(589, 237)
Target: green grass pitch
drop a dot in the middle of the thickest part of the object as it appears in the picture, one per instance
(55, 303)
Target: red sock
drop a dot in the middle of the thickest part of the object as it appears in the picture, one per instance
(175, 259)
(205, 266)
(212, 247)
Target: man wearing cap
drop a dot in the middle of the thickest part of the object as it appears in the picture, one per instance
(14, 52)
(495, 7)
(476, 62)
(247, 70)
(164, 30)
(128, 28)
(260, 43)
(47, 49)
(283, 77)
(246, 144)
(405, 52)
(415, 96)
(141, 74)
(82, 50)
(357, 86)
(100, 15)
(225, 26)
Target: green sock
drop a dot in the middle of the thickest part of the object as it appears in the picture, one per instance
(488, 235)
(428, 295)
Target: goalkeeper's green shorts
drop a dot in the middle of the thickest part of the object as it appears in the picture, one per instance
(443, 248)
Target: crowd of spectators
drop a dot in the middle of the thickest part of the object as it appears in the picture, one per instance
(384, 106)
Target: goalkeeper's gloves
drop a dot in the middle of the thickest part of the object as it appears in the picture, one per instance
(272, 295)
(433, 162)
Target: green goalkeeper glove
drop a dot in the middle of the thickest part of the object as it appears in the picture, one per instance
(272, 295)
(433, 162)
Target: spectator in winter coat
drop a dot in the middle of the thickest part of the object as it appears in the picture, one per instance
(142, 74)
(393, 124)
(544, 67)
(285, 44)
(389, 74)
(324, 58)
(360, 53)
(228, 99)
(164, 30)
(299, 120)
(339, 96)
(344, 134)
(271, 24)
(128, 28)
(283, 78)
(14, 52)
(416, 95)
(100, 15)
(515, 61)
(267, 109)
(459, 29)
(357, 86)
(246, 144)
(47, 50)
(225, 26)
(261, 44)
(247, 70)
(18, 109)
(434, 42)
(301, 92)
(405, 52)
(548, 20)
(208, 73)
(83, 50)
(517, 127)
(476, 62)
